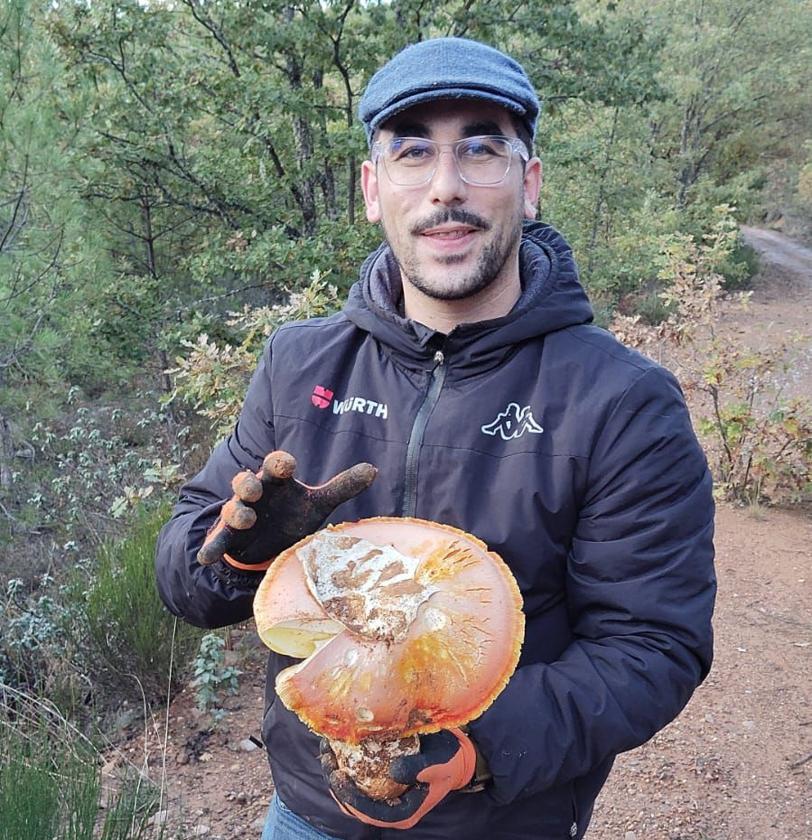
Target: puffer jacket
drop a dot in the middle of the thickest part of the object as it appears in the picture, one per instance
(569, 454)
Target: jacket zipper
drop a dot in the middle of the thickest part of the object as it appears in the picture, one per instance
(421, 419)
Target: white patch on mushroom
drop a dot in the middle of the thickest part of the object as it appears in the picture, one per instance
(435, 619)
(369, 588)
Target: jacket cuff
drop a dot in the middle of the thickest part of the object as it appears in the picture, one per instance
(237, 578)
(248, 567)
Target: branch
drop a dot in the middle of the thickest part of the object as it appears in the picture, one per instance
(16, 523)
(12, 359)
(222, 295)
(800, 763)
(209, 24)
(45, 271)
(460, 30)
(720, 426)
(6, 241)
(732, 113)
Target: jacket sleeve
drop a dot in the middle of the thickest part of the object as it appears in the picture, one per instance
(640, 594)
(213, 596)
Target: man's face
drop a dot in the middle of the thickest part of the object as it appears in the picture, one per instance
(452, 239)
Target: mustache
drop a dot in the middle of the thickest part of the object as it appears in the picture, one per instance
(451, 214)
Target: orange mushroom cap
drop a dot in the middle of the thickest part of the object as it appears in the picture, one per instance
(405, 626)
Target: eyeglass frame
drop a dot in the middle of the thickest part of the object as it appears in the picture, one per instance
(516, 145)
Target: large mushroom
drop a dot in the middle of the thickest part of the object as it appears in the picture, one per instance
(405, 627)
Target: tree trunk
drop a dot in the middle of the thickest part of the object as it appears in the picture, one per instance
(6, 454)
(601, 199)
(149, 239)
(303, 140)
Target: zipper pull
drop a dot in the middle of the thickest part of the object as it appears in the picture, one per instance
(439, 358)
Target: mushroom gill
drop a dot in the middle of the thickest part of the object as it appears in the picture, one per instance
(405, 627)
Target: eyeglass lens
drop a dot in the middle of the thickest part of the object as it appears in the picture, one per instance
(410, 161)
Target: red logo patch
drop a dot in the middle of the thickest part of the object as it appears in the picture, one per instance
(321, 396)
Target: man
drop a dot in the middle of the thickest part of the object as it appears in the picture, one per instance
(465, 368)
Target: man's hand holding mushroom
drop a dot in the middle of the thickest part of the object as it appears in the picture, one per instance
(446, 762)
(270, 511)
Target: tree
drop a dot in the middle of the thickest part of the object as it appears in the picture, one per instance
(43, 241)
(738, 75)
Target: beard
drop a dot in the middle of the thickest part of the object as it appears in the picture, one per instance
(453, 285)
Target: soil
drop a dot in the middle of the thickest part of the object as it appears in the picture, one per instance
(735, 765)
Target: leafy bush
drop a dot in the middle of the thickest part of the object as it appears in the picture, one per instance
(762, 442)
(212, 675)
(34, 656)
(131, 637)
(99, 462)
(213, 377)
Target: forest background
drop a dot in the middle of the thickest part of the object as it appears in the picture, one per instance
(177, 178)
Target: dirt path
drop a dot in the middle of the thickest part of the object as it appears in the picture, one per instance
(780, 251)
(729, 768)
(780, 310)
(736, 765)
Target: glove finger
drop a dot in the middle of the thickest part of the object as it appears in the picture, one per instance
(215, 546)
(277, 467)
(344, 486)
(238, 516)
(383, 811)
(247, 487)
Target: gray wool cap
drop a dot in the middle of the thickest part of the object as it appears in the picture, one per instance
(448, 68)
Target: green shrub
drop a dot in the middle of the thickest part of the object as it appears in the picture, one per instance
(213, 676)
(29, 798)
(759, 442)
(34, 656)
(740, 267)
(212, 376)
(50, 784)
(134, 641)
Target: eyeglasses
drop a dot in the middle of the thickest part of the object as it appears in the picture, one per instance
(481, 161)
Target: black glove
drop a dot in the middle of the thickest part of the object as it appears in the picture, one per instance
(271, 510)
(446, 762)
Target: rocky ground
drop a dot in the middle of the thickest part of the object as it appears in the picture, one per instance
(736, 765)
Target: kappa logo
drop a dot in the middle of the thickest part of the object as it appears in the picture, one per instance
(513, 422)
(323, 398)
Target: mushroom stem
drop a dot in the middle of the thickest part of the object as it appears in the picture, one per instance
(367, 764)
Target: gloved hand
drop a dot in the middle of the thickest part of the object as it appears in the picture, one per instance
(270, 511)
(446, 762)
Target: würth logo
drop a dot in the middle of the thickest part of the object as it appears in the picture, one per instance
(361, 405)
(513, 422)
(323, 397)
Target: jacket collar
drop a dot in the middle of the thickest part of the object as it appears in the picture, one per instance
(552, 298)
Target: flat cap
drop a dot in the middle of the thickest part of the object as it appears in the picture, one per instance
(448, 68)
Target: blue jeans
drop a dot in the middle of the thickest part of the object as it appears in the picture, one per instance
(283, 824)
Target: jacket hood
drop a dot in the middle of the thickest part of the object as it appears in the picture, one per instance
(552, 298)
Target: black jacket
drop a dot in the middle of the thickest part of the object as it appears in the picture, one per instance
(570, 455)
